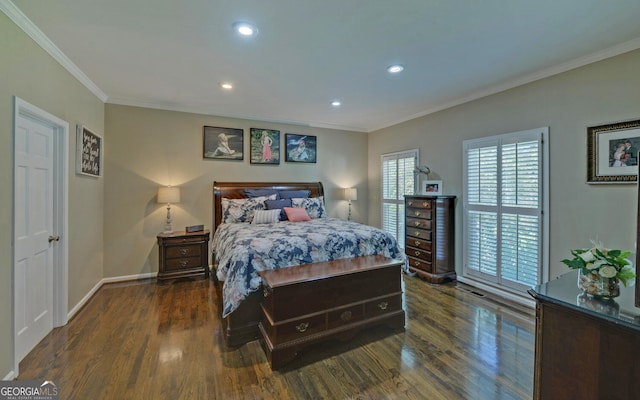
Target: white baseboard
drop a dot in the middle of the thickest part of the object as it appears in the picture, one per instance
(98, 285)
(10, 376)
(511, 296)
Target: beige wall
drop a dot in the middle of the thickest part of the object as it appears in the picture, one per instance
(603, 92)
(147, 148)
(28, 72)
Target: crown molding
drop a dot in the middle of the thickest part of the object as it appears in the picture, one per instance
(24, 23)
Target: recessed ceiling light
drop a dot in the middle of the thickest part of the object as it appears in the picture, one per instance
(394, 69)
(226, 85)
(336, 103)
(245, 29)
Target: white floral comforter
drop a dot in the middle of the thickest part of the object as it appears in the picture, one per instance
(242, 250)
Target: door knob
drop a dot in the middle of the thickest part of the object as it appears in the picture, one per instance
(54, 238)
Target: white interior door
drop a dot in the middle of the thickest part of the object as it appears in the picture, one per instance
(34, 208)
(41, 250)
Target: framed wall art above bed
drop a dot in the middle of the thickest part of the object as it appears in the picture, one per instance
(223, 143)
(264, 146)
(300, 148)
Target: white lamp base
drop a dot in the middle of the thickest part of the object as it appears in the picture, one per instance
(167, 227)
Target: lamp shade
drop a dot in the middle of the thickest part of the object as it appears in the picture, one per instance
(351, 194)
(169, 194)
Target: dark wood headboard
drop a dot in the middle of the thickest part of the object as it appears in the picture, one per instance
(235, 190)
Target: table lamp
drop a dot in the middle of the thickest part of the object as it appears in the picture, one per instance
(168, 195)
(350, 194)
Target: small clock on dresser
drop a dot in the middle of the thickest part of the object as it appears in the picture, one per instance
(183, 255)
(430, 236)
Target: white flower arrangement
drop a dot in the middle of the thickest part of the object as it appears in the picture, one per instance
(607, 263)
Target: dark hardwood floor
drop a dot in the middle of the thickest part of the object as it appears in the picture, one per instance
(140, 340)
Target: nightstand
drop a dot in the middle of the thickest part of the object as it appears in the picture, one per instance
(183, 255)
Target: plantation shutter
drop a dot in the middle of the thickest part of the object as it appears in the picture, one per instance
(398, 179)
(503, 209)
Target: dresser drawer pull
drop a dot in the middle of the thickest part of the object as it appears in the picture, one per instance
(411, 203)
(302, 327)
(417, 223)
(417, 233)
(345, 316)
(184, 263)
(184, 252)
(418, 263)
(417, 243)
(265, 292)
(417, 253)
(425, 204)
(383, 305)
(417, 213)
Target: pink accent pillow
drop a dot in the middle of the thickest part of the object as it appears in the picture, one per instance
(296, 214)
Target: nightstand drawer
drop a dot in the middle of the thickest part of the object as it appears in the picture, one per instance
(184, 240)
(183, 263)
(193, 250)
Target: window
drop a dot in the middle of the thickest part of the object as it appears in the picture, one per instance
(503, 209)
(398, 179)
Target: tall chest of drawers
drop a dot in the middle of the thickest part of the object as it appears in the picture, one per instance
(430, 236)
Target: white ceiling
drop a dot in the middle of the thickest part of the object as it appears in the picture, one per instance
(171, 54)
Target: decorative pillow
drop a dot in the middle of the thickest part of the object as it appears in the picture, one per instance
(266, 216)
(260, 193)
(242, 210)
(296, 214)
(314, 206)
(290, 194)
(279, 204)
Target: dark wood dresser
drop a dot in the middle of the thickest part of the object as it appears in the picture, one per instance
(183, 255)
(334, 299)
(586, 348)
(430, 236)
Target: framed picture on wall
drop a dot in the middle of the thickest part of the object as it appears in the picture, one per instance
(88, 152)
(432, 188)
(300, 148)
(612, 152)
(223, 143)
(264, 146)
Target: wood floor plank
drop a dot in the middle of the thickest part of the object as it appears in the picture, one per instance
(141, 340)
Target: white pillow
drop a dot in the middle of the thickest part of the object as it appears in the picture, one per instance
(266, 216)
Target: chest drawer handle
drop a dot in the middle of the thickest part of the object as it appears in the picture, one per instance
(417, 223)
(425, 204)
(417, 243)
(418, 263)
(345, 316)
(417, 213)
(184, 263)
(265, 292)
(302, 327)
(184, 251)
(417, 233)
(411, 203)
(383, 305)
(417, 253)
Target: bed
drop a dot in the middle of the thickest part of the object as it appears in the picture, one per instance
(241, 250)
